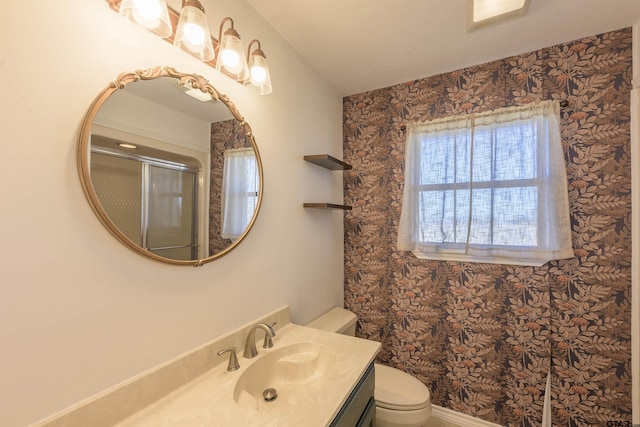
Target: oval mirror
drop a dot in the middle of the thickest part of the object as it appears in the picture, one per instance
(170, 167)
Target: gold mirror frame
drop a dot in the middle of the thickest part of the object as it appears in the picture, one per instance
(84, 147)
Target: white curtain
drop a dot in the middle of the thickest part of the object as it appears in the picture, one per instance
(487, 187)
(546, 406)
(240, 182)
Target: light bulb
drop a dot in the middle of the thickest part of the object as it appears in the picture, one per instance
(258, 74)
(230, 59)
(150, 14)
(194, 34)
(148, 9)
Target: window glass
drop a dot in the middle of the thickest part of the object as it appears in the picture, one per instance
(488, 187)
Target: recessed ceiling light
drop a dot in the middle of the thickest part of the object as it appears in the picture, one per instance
(126, 145)
(487, 12)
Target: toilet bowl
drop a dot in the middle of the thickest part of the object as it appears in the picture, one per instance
(401, 400)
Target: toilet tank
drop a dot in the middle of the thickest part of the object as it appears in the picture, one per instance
(336, 320)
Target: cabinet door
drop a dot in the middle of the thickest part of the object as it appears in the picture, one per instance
(368, 418)
(358, 404)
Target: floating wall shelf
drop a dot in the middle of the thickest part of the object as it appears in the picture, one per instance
(331, 163)
(326, 206)
(326, 161)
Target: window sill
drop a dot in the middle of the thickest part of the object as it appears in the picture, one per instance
(471, 258)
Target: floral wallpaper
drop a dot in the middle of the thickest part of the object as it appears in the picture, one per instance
(482, 337)
(225, 135)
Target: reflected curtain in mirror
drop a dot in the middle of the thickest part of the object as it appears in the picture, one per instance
(226, 136)
(240, 184)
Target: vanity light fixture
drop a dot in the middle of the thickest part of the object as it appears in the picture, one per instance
(151, 14)
(259, 77)
(230, 53)
(192, 35)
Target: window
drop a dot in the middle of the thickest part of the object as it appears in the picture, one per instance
(240, 183)
(489, 187)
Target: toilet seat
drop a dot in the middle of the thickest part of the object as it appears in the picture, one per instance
(399, 391)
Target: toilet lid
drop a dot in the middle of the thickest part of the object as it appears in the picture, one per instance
(398, 390)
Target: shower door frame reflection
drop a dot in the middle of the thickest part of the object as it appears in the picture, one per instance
(184, 250)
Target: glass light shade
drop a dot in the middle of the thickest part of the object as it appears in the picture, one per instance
(231, 56)
(192, 34)
(259, 78)
(151, 14)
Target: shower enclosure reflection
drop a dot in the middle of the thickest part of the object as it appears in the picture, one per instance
(153, 199)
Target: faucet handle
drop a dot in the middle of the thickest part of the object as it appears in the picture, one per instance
(268, 343)
(233, 358)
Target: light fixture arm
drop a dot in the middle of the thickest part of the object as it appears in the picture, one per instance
(226, 19)
(249, 48)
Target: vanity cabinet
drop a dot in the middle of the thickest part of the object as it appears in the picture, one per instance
(360, 408)
(331, 163)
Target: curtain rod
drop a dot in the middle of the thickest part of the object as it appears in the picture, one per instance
(563, 104)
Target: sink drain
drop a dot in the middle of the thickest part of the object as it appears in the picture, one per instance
(270, 394)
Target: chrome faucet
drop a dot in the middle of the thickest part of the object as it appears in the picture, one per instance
(250, 350)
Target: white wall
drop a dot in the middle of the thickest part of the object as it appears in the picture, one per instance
(136, 115)
(79, 312)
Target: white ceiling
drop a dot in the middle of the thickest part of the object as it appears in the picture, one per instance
(168, 92)
(361, 45)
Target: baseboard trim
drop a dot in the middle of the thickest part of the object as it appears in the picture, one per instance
(462, 420)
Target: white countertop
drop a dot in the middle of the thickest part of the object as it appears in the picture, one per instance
(209, 399)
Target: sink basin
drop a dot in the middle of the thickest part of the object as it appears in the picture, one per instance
(295, 372)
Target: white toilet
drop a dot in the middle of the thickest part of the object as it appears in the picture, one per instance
(401, 400)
